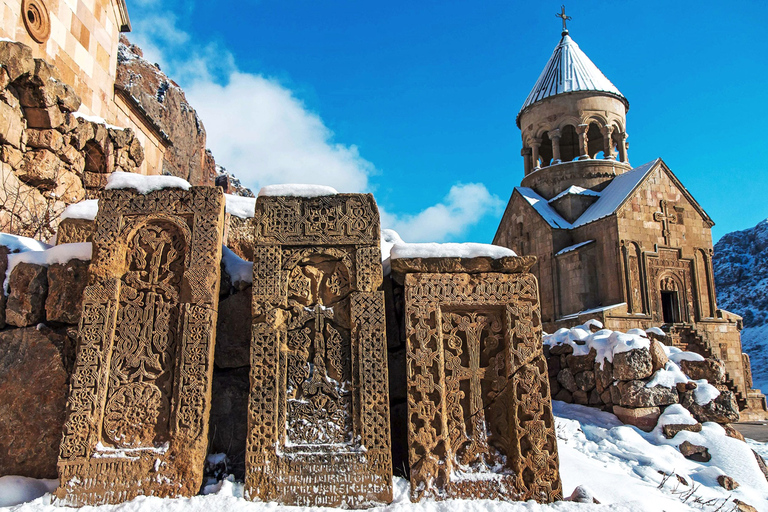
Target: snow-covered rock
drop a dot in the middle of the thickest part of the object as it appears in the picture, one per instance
(297, 190)
(144, 184)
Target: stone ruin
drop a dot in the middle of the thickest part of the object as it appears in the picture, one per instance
(137, 418)
(480, 421)
(318, 415)
(311, 423)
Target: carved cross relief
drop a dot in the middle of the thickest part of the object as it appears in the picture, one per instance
(666, 218)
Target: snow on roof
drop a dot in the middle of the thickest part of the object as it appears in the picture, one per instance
(543, 208)
(49, 256)
(239, 206)
(614, 195)
(450, 250)
(297, 190)
(573, 189)
(144, 184)
(85, 210)
(569, 70)
(573, 247)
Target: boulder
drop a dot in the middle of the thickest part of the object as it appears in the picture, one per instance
(644, 418)
(28, 289)
(658, 356)
(712, 370)
(74, 158)
(11, 125)
(727, 483)
(582, 494)
(34, 380)
(732, 432)
(229, 410)
(603, 376)
(671, 430)
(581, 363)
(233, 331)
(723, 409)
(694, 452)
(40, 169)
(82, 134)
(633, 393)
(66, 282)
(566, 379)
(632, 365)
(743, 507)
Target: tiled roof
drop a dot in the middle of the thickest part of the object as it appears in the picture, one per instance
(569, 70)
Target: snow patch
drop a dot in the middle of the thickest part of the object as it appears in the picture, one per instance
(96, 119)
(389, 238)
(237, 268)
(402, 250)
(55, 255)
(239, 206)
(144, 184)
(15, 490)
(297, 190)
(85, 210)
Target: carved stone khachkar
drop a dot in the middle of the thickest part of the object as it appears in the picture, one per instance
(318, 416)
(141, 387)
(480, 421)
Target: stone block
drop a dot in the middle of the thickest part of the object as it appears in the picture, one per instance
(317, 301)
(603, 375)
(43, 118)
(40, 169)
(150, 309)
(567, 380)
(713, 370)
(581, 363)
(644, 418)
(585, 380)
(233, 331)
(34, 380)
(240, 237)
(51, 140)
(74, 230)
(17, 59)
(69, 187)
(633, 393)
(723, 409)
(66, 283)
(11, 125)
(11, 156)
(694, 452)
(27, 292)
(658, 356)
(632, 365)
(95, 180)
(671, 430)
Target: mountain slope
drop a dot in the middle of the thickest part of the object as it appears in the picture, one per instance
(741, 277)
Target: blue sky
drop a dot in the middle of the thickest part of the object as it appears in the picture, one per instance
(416, 101)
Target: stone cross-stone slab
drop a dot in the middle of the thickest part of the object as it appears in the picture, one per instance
(480, 421)
(141, 389)
(318, 417)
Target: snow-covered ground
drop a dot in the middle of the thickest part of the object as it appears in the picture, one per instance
(623, 468)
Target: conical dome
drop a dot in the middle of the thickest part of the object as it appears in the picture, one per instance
(569, 70)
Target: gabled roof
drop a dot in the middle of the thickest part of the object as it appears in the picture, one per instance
(576, 191)
(569, 70)
(615, 194)
(543, 208)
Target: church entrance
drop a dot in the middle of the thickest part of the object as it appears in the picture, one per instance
(670, 307)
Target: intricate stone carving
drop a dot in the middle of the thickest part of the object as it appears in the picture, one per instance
(140, 391)
(480, 418)
(73, 231)
(669, 272)
(318, 414)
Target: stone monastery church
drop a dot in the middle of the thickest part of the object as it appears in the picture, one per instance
(629, 246)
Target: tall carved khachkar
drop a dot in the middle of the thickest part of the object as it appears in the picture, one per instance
(480, 421)
(141, 388)
(318, 416)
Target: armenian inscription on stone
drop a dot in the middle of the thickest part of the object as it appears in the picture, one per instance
(318, 416)
(480, 421)
(141, 388)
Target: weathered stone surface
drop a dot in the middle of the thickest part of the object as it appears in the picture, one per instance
(723, 409)
(11, 125)
(17, 59)
(732, 432)
(603, 375)
(564, 396)
(34, 380)
(644, 418)
(317, 301)
(682, 387)
(585, 381)
(51, 140)
(74, 230)
(711, 369)
(695, 452)
(506, 265)
(671, 430)
(580, 397)
(42, 118)
(40, 168)
(66, 282)
(632, 365)
(240, 237)
(150, 309)
(233, 331)
(74, 158)
(95, 180)
(229, 408)
(633, 393)
(581, 363)
(727, 483)
(658, 356)
(583, 495)
(26, 207)
(11, 156)
(761, 464)
(567, 380)
(743, 507)
(27, 292)
(561, 350)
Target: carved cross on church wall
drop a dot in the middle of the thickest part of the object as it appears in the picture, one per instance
(666, 218)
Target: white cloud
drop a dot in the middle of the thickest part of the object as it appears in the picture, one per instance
(464, 206)
(262, 133)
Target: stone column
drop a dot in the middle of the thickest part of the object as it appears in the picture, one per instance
(607, 132)
(554, 135)
(526, 154)
(535, 145)
(581, 130)
(623, 146)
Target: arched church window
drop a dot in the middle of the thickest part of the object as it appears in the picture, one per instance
(545, 150)
(595, 143)
(569, 144)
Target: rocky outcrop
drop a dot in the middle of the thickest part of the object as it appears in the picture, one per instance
(34, 380)
(50, 156)
(164, 103)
